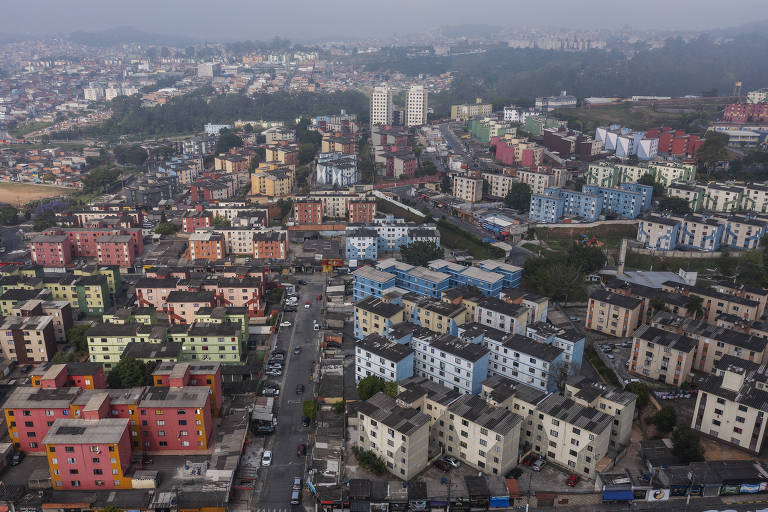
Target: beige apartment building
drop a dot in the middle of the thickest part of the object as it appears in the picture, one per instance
(661, 355)
(607, 399)
(613, 314)
(433, 314)
(538, 181)
(484, 437)
(716, 303)
(272, 183)
(732, 404)
(375, 316)
(713, 341)
(749, 292)
(468, 189)
(498, 184)
(28, 339)
(399, 435)
(693, 194)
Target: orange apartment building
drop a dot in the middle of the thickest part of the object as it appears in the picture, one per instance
(362, 211)
(308, 211)
(207, 246)
(270, 245)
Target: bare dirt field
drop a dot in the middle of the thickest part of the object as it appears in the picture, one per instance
(20, 193)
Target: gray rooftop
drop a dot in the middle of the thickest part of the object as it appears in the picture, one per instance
(73, 431)
(384, 409)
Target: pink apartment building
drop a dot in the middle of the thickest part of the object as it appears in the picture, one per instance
(51, 251)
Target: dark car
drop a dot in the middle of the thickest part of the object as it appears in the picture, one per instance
(299, 389)
(27, 368)
(305, 421)
(17, 458)
(302, 450)
(530, 459)
(442, 465)
(301, 281)
(515, 473)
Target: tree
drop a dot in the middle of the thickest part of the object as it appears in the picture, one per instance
(221, 222)
(658, 188)
(642, 392)
(99, 179)
(77, 337)
(306, 153)
(686, 445)
(695, 306)
(227, 140)
(9, 215)
(370, 385)
(130, 373)
(340, 407)
(309, 409)
(589, 258)
(428, 167)
(446, 184)
(165, 228)
(713, 150)
(519, 197)
(130, 155)
(420, 253)
(676, 205)
(45, 220)
(656, 304)
(666, 419)
(750, 268)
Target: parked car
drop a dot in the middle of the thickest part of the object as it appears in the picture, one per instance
(270, 390)
(295, 496)
(305, 421)
(572, 480)
(301, 450)
(307, 305)
(530, 459)
(296, 483)
(266, 458)
(297, 350)
(299, 389)
(536, 466)
(302, 282)
(453, 461)
(610, 356)
(17, 458)
(319, 296)
(285, 324)
(514, 473)
(442, 465)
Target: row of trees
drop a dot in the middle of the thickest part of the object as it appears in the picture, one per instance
(561, 276)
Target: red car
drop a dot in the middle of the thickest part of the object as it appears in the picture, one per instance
(572, 480)
(319, 296)
(530, 459)
(302, 450)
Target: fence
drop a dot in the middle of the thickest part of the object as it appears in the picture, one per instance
(676, 254)
(397, 203)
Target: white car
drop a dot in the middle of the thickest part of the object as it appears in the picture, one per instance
(266, 458)
(306, 306)
(285, 324)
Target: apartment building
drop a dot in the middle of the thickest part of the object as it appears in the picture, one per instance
(28, 339)
(556, 203)
(753, 293)
(450, 361)
(83, 375)
(214, 342)
(337, 169)
(29, 413)
(375, 316)
(361, 244)
(371, 281)
(179, 375)
(610, 174)
(307, 211)
(484, 437)
(607, 399)
(283, 155)
(378, 356)
(180, 419)
(693, 194)
(658, 232)
(569, 434)
(713, 342)
(89, 454)
(489, 283)
(466, 111)
(195, 219)
(468, 189)
(51, 251)
(381, 106)
(272, 183)
(206, 246)
(512, 277)
(399, 435)
(13, 297)
(538, 180)
(502, 315)
(629, 200)
(270, 245)
(731, 404)
(420, 280)
(613, 314)
(343, 144)
(59, 311)
(436, 315)
(416, 106)
(498, 184)
(716, 303)
(182, 305)
(106, 342)
(662, 355)
(237, 239)
(570, 341)
(518, 357)
(362, 211)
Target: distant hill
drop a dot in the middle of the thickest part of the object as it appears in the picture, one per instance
(123, 35)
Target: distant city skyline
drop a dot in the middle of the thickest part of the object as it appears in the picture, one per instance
(299, 20)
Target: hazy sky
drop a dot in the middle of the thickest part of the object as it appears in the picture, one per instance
(339, 19)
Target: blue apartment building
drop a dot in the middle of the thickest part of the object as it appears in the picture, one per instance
(512, 274)
(369, 281)
(700, 233)
(423, 281)
(556, 203)
(629, 200)
(361, 244)
(742, 232)
(489, 283)
(658, 232)
(569, 340)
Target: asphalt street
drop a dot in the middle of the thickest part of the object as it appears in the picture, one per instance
(276, 489)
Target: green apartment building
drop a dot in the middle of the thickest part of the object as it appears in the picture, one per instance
(220, 315)
(611, 174)
(106, 342)
(217, 342)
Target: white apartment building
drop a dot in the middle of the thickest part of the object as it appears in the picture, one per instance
(381, 106)
(498, 184)
(378, 356)
(416, 106)
(237, 240)
(450, 361)
(502, 315)
(399, 435)
(538, 181)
